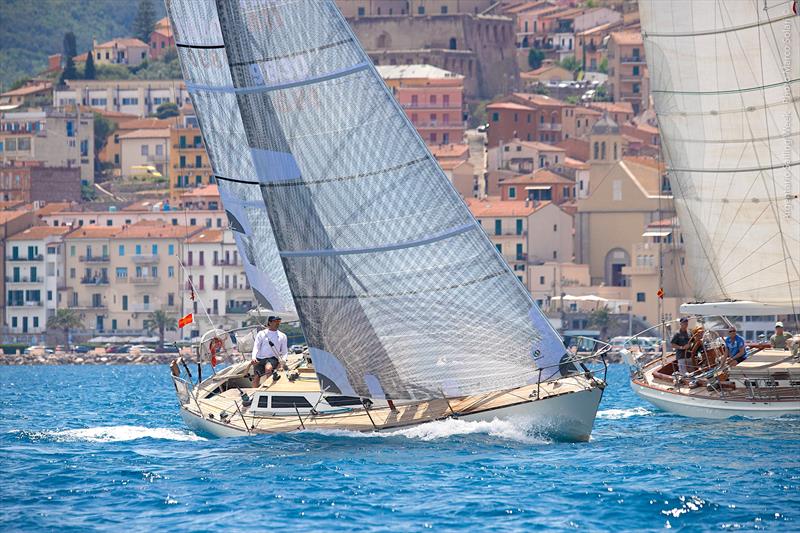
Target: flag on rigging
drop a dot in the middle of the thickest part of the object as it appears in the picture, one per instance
(660, 293)
(185, 321)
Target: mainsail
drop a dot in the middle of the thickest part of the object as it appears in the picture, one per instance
(725, 80)
(400, 292)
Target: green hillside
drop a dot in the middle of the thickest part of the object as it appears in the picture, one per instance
(30, 30)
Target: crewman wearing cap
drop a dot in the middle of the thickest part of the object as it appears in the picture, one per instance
(779, 339)
(270, 351)
(680, 342)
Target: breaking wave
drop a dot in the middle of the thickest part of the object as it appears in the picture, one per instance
(618, 414)
(111, 434)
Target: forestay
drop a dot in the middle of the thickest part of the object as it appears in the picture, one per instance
(400, 292)
(203, 60)
(725, 78)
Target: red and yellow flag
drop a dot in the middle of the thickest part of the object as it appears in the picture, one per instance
(185, 321)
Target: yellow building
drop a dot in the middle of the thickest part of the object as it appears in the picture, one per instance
(625, 194)
(189, 160)
(130, 52)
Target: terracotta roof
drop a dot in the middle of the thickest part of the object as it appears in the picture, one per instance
(10, 204)
(29, 89)
(509, 105)
(527, 6)
(541, 100)
(540, 146)
(163, 23)
(450, 151)
(576, 148)
(627, 37)
(36, 233)
(146, 134)
(645, 161)
(542, 70)
(569, 162)
(156, 230)
(145, 205)
(202, 192)
(53, 207)
(495, 207)
(580, 110)
(93, 232)
(451, 164)
(166, 32)
(80, 58)
(613, 107)
(206, 236)
(127, 41)
(144, 124)
(541, 176)
(6, 216)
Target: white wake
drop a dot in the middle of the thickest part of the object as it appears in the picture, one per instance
(118, 434)
(618, 414)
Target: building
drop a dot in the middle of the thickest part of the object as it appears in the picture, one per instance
(134, 97)
(117, 276)
(479, 47)
(56, 138)
(627, 70)
(11, 223)
(221, 289)
(432, 98)
(521, 231)
(143, 211)
(32, 181)
(34, 274)
(626, 194)
(542, 185)
(547, 73)
(128, 51)
(111, 152)
(619, 112)
(384, 8)
(189, 160)
(144, 148)
(578, 121)
(30, 94)
(525, 116)
(525, 156)
(162, 39)
(550, 279)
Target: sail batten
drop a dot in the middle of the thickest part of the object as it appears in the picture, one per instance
(725, 87)
(400, 293)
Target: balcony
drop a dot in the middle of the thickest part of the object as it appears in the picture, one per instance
(94, 280)
(223, 262)
(94, 259)
(98, 307)
(18, 303)
(550, 126)
(179, 146)
(515, 258)
(142, 308)
(145, 280)
(141, 259)
(436, 125)
(631, 59)
(24, 279)
(423, 105)
(523, 233)
(39, 257)
(237, 309)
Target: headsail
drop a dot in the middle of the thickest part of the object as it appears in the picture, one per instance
(204, 61)
(400, 292)
(725, 78)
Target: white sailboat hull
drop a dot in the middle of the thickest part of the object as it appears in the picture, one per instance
(700, 407)
(565, 417)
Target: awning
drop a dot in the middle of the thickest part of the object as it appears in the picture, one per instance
(737, 308)
(657, 233)
(538, 187)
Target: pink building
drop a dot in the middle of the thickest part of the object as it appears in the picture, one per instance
(161, 39)
(433, 99)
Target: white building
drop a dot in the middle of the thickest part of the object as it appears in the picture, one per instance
(134, 97)
(525, 156)
(34, 272)
(222, 291)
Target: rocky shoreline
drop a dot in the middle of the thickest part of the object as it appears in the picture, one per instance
(87, 359)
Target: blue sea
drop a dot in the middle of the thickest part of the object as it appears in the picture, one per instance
(103, 447)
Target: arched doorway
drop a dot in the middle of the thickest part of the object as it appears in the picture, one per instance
(616, 259)
(453, 43)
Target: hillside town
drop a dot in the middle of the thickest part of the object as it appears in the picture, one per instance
(539, 112)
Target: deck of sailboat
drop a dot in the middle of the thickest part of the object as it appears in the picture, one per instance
(359, 419)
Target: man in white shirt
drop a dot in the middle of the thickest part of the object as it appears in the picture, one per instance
(269, 351)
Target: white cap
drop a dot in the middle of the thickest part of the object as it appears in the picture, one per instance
(778, 324)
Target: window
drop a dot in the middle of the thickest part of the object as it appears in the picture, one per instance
(171, 271)
(72, 250)
(361, 11)
(495, 116)
(289, 402)
(138, 249)
(122, 250)
(36, 321)
(171, 249)
(555, 254)
(636, 71)
(122, 272)
(159, 149)
(72, 273)
(124, 302)
(146, 299)
(421, 10)
(512, 192)
(555, 227)
(499, 247)
(171, 299)
(636, 88)
(154, 248)
(145, 149)
(541, 280)
(640, 297)
(616, 190)
(519, 226)
(444, 10)
(498, 227)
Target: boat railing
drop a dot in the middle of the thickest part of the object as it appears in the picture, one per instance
(576, 363)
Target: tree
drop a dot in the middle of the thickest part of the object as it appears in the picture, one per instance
(570, 63)
(601, 318)
(70, 51)
(167, 109)
(161, 321)
(70, 48)
(603, 67)
(89, 72)
(535, 58)
(145, 20)
(65, 320)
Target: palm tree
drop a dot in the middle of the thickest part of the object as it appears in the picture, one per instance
(602, 319)
(66, 320)
(162, 321)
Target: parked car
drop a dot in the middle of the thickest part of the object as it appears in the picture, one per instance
(37, 350)
(82, 349)
(141, 348)
(169, 348)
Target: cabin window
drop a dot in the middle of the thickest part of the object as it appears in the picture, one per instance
(283, 402)
(263, 402)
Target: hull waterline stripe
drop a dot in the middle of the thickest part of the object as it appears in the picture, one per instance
(404, 293)
(293, 54)
(278, 86)
(386, 248)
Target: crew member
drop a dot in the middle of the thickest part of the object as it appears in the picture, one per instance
(269, 351)
(735, 344)
(779, 339)
(680, 342)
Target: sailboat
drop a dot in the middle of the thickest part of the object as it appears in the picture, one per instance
(725, 80)
(344, 217)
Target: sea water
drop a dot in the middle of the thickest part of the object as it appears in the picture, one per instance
(104, 447)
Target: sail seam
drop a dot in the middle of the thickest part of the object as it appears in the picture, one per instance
(718, 32)
(278, 86)
(731, 91)
(735, 170)
(404, 293)
(385, 248)
(200, 46)
(293, 54)
(346, 178)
